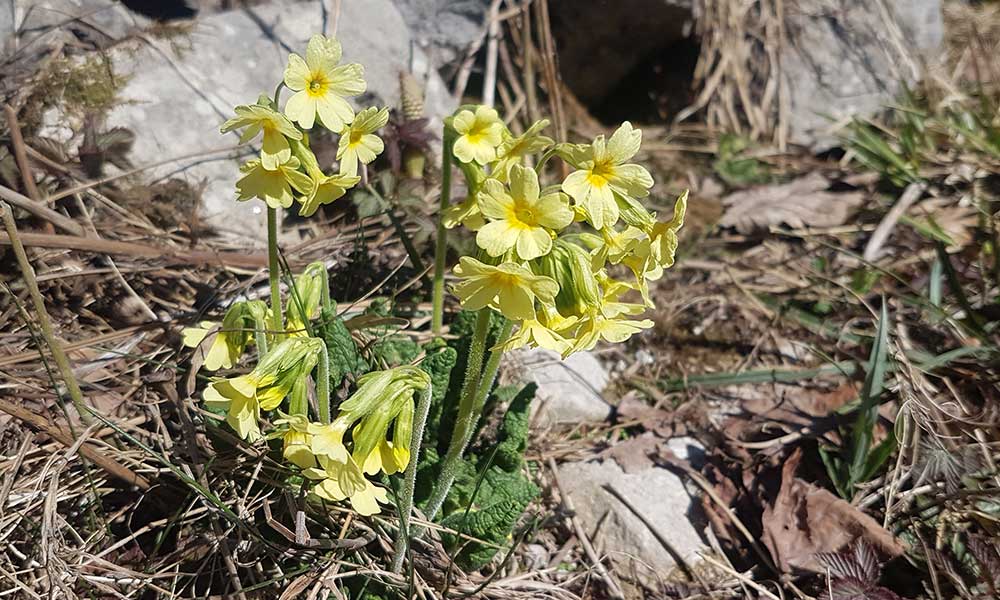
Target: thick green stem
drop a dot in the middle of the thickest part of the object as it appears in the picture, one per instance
(274, 273)
(441, 249)
(466, 415)
(410, 480)
(323, 385)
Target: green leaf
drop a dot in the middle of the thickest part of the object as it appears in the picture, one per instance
(871, 392)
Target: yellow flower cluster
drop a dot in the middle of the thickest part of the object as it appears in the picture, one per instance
(384, 400)
(548, 254)
(287, 170)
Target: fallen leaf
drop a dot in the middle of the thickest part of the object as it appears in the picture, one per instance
(804, 202)
(634, 454)
(805, 520)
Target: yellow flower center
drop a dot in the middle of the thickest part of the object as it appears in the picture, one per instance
(599, 174)
(477, 133)
(318, 85)
(524, 215)
(355, 137)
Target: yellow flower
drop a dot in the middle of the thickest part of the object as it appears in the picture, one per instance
(277, 129)
(358, 142)
(383, 398)
(326, 189)
(238, 397)
(598, 327)
(320, 85)
(535, 335)
(508, 288)
(265, 386)
(273, 186)
(520, 219)
(339, 480)
(297, 441)
(602, 173)
(513, 149)
(230, 339)
(328, 440)
(479, 134)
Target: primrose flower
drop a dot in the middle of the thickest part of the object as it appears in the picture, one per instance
(513, 150)
(308, 287)
(320, 85)
(273, 186)
(344, 480)
(610, 329)
(520, 219)
(535, 335)
(383, 398)
(358, 142)
(256, 118)
(479, 135)
(230, 339)
(238, 397)
(602, 173)
(508, 288)
(265, 386)
(325, 188)
(297, 441)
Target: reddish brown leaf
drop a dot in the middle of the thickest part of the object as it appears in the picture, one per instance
(805, 520)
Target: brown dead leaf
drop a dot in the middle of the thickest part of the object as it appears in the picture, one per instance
(805, 520)
(634, 455)
(804, 202)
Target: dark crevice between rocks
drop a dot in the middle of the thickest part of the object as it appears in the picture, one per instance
(627, 59)
(163, 10)
(656, 89)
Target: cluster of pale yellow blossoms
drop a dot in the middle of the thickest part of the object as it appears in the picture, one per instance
(334, 453)
(554, 281)
(287, 170)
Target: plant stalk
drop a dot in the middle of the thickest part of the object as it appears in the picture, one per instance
(410, 480)
(274, 273)
(323, 385)
(28, 273)
(475, 377)
(441, 249)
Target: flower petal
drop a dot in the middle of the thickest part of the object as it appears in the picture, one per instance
(498, 237)
(532, 243)
(296, 73)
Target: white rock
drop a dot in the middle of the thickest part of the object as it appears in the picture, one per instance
(178, 101)
(661, 498)
(569, 391)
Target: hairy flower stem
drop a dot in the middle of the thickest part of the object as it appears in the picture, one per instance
(28, 273)
(410, 480)
(260, 336)
(477, 385)
(441, 249)
(323, 385)
(274, 273)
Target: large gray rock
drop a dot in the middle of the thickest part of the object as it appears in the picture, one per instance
(657, 494)
(569, 391)
(444, 29)
(846, 58)
(176, 101)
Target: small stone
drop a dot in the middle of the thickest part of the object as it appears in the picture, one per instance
(569, 391)
(656, 493)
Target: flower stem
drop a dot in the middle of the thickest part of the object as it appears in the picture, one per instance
(260, 336)
(323, 385)
(28, 273)
(467, 416)
(274, 273)
(441, 249)
(410, 480)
